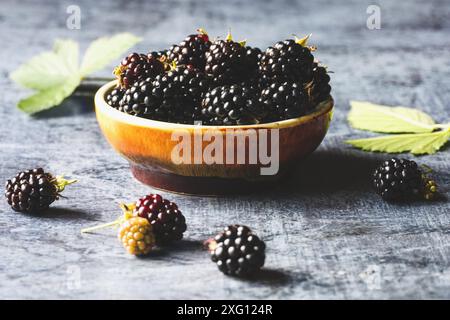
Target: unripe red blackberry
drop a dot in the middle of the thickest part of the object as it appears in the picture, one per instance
(237, 251)
(191, 51)
(33, 191)
(167, 221)
(401, 179)
(136, 67)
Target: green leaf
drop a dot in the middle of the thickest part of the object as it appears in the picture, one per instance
(49, 97)
(104, 50)
(378, 118)
(69, 52)
(419, 143)
(44, 71)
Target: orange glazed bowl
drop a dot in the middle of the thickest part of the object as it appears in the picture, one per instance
(208, 160)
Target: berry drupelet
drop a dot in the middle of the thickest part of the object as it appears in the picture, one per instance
(284, 100)
(287, 61)
(401, 179)
(167, 221)
(237, 251)
(191, 51)
(231, 105)
(33, 191)
(136, 67)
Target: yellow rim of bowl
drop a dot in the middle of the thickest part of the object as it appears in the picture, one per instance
(103, 107)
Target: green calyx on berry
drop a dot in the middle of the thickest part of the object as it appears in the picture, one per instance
(230, 38)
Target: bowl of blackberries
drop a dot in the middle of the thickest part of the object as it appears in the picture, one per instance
(212, 116)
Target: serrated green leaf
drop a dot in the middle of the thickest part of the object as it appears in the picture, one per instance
(49, 97)
(419, 143)
(44, 71)
(105, 50)
(378, 118)
(68, 50)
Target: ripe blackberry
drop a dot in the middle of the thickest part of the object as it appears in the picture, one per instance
(179, 92)
(167, 221)
(319, 89)
(137, 100)
(191, 51)
(226, 62)
(34, 190)
(252, 56)
(113, 98)
(136, 67)
(232, 105)
(237, 251)
(137, 236)
(287, 60)
(284, 100)
(401, 179)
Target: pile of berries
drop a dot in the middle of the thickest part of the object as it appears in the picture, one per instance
(221, 82)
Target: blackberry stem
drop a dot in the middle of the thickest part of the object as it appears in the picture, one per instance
(127, 214)
(61, 183)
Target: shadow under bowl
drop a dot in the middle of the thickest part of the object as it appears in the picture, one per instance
(210, 160)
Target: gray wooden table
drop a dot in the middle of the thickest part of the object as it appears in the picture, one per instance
(328, 235)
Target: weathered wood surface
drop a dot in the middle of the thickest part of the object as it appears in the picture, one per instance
(328, 235)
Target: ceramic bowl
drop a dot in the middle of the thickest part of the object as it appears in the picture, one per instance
(182, 158)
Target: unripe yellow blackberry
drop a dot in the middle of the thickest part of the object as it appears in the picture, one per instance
(137, 236)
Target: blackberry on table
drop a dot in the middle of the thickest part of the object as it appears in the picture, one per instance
(33, 191)
(402, 179)
(287, 60)
(284, 100)
(136, 67)
(191, 51)
(225, 62)
(166, 219)
(232, 105)
(136, 235)
(237, 251)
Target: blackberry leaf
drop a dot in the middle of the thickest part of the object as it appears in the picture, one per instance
(106, 49)
(42, 72)
(69, 51)
(378, 118)
(419, 143)
(49, 97)
(56, 74)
